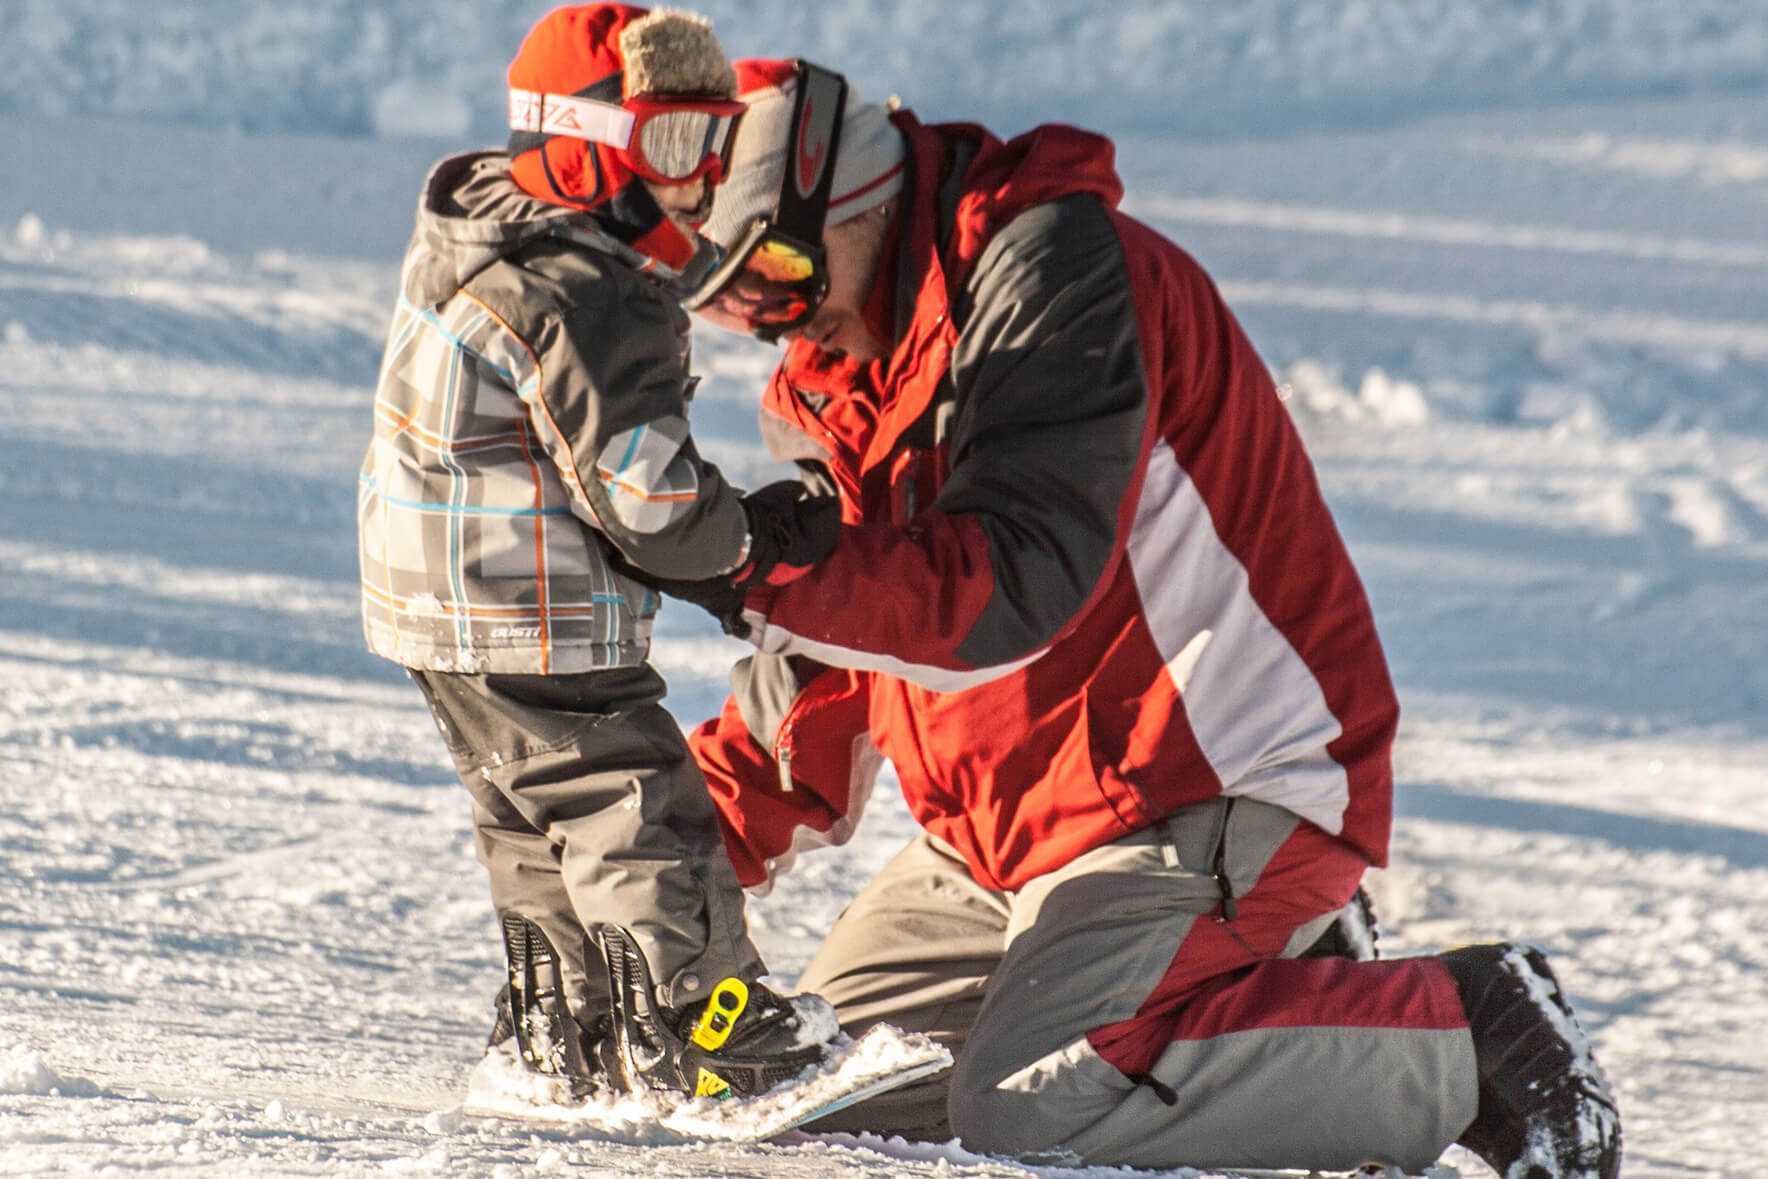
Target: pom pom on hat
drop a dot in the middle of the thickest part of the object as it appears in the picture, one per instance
(671, 52)
(868, 162)
(664, 51)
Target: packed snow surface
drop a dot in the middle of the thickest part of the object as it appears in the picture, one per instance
(883, 1058)
(1509, 263)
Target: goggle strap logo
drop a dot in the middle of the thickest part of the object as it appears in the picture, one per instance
(564, 114)
(817, 113)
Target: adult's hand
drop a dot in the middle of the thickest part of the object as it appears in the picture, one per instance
(789, 531)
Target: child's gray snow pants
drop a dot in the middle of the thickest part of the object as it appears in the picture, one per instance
(587, 807)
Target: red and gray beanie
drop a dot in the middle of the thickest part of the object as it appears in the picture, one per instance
(868, 162)
(610, 52)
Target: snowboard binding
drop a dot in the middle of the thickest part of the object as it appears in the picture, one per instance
(547, 1037)
(741, 1041)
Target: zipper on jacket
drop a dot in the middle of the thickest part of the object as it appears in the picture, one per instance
(782, 742)
(782, 751)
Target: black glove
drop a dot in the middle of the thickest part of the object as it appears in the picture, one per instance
(789, 531)
(718, 596)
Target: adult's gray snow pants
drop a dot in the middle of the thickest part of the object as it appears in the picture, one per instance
(1113, 1012)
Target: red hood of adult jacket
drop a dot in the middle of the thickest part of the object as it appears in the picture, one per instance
(1000, 180)
(1005, 179)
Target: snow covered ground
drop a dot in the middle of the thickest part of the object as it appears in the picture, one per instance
(241, 930)
(349, 67)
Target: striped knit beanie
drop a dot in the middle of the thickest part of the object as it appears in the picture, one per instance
(868, 163)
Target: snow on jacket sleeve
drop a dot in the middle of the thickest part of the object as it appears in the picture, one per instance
(610, 403)
(1051, 410)
(788, 763)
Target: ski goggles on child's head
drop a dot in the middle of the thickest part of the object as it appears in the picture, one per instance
(667, 139)
(776, 275)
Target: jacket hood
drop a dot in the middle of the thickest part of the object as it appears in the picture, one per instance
(472, 213)
(1003, 180)
(965, 184)
(469, 215)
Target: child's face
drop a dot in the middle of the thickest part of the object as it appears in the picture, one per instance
(687, 205)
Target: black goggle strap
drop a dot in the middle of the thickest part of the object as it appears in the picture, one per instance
(817, 112)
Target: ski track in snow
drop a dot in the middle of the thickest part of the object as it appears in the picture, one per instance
(241, 929)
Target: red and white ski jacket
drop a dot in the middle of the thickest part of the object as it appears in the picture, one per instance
(1087, 576)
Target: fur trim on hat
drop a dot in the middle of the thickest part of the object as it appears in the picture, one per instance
(672, 52)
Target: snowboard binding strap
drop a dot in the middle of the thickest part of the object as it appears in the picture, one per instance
(710, 1059)
(546, 1035)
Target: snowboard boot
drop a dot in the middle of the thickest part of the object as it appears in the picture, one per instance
(532, 1008)
(503, 1024)
(741, 1040)
(1545, 1110)
(1353, 935)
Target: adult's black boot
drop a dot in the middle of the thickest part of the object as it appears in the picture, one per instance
(1545, 1109)
(1353, 934)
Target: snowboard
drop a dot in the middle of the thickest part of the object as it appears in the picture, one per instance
(882, 1059)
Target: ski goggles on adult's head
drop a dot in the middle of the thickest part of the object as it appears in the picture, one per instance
(770, 283)
(664, 138)
(776, 275)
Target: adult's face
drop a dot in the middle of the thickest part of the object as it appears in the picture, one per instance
(839, 326)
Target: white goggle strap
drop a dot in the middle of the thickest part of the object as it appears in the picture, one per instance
(579, 118)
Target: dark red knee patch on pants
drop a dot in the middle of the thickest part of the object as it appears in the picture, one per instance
(1227, 976)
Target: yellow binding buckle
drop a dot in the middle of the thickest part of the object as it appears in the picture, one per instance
(713, 1028)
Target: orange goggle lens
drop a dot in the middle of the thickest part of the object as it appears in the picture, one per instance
(769, 285)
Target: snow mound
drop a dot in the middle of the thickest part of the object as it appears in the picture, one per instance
(1311, 387)
(23, 1074)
